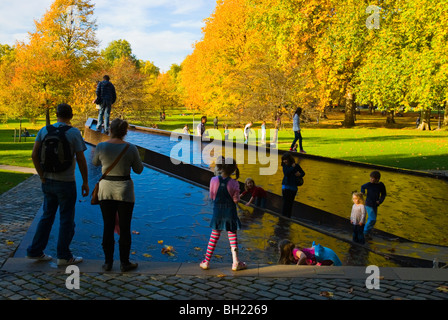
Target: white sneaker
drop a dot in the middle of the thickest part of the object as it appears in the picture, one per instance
(43, 257)
(204, 265)
(72, 260)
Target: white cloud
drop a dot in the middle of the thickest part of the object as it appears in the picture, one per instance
(162, 31)
(188, 24)
(17, 18)
(186, 7)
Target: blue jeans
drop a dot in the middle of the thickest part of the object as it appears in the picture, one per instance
(297, 136)
(371, 218)
(56, 194)
(103, 116)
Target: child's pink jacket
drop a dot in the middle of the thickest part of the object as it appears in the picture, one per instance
(232, 186)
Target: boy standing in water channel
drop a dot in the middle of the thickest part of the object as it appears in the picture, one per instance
(376, 193)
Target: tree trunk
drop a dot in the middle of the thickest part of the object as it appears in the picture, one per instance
(349, 120)
(390, 117)
(426, 120)
(47, 116)
(371, 107)
(445, 117)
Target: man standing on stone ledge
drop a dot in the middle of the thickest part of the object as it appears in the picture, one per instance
(106, 96)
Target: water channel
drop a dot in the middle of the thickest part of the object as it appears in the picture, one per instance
(173, 212)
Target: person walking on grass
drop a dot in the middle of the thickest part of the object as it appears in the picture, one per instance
(215, 123)
(247, 129)
(59, 187)
(263, 132)
(297, 131)
(200, 129)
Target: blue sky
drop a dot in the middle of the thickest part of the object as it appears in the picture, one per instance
(161, 31)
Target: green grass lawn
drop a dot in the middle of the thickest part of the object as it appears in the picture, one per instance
(403, 148)
(370, 141)
(17, 153)
(9, 179)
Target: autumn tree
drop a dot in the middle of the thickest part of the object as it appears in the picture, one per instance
(424, 26)
(296, 28)
(163, 92)
(83, 95)
(7, 57)
(129, 85)
(232, 70)
(57, 54)
(407, 67)
(206, 73)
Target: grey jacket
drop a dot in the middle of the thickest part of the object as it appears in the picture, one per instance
(105, 154)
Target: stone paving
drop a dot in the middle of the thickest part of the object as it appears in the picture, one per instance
(22, 279)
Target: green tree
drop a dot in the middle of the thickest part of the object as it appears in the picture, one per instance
(407, 65)
(117, 50)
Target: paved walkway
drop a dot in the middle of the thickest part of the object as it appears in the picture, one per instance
(23, 279)
(17, 169)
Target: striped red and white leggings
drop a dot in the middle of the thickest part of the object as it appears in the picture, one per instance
(214, 237)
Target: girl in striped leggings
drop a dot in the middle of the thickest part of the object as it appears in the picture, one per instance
(225, 193)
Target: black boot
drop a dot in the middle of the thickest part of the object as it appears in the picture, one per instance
(128, 266)
(107, 266)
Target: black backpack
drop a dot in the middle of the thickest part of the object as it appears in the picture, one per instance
(55, 152)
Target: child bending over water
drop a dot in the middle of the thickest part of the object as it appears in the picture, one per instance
(316, 255)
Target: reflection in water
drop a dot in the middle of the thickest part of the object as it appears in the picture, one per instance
(265, 231)
(415, 207)
(169, 211)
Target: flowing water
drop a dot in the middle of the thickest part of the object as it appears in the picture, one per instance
(172, 212)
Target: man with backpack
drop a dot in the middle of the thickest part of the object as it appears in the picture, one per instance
(54, 153)
(106, 97)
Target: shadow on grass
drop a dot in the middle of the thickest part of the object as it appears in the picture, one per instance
(335, 140)
(432, 162)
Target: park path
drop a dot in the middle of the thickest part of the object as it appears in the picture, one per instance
(17, 169)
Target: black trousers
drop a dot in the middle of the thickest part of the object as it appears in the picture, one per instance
(358, 234)
(288, 202)
(109, 209)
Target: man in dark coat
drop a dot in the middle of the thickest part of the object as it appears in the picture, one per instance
(107, 96)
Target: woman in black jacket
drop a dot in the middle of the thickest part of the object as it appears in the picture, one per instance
(291, 174)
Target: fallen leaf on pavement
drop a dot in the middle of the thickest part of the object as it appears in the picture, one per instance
(443, 288)
(326, 294)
